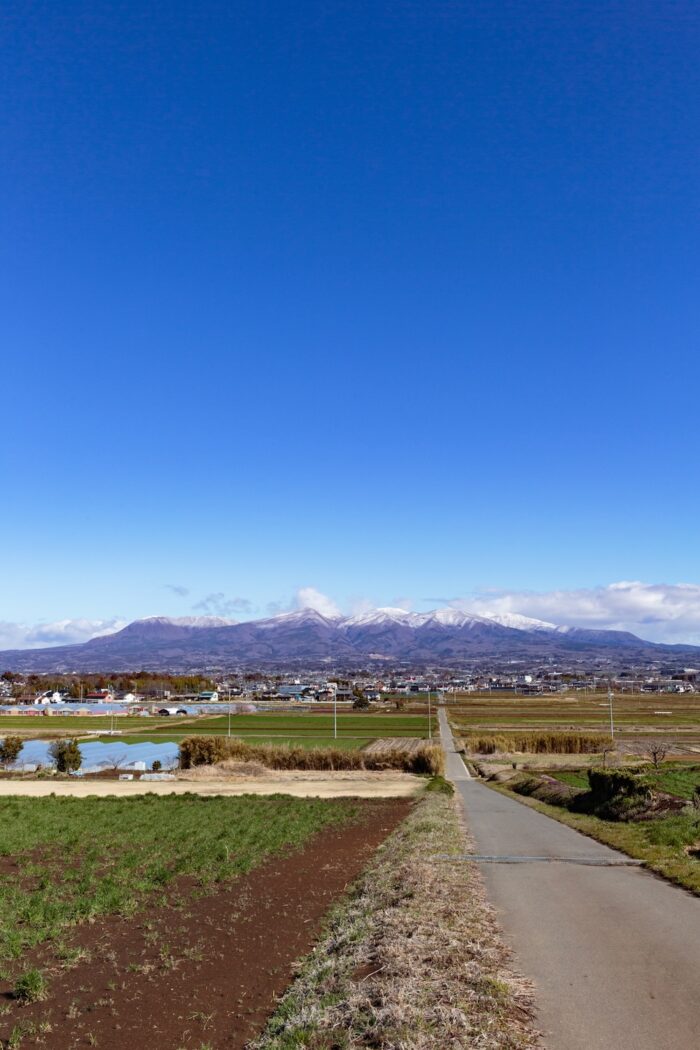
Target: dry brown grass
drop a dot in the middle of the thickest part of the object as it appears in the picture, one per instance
(414, 960)
(228, 768)
(534, 743)
(212, 750)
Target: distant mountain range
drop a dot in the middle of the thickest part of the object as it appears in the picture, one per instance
(444, 637)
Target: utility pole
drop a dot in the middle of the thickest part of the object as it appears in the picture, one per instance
(229, 710)
(430, 719)
(335, 712)
(612, 724)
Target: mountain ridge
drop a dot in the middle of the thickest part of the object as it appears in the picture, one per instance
(445, 636)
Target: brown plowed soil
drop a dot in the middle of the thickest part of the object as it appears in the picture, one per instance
(200, 971)
(395, 743)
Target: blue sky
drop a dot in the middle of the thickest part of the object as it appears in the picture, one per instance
(395, 301)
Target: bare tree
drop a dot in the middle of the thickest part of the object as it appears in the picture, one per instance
(657, 751)
(607, 750)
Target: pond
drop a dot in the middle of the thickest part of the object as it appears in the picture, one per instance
(97, 756)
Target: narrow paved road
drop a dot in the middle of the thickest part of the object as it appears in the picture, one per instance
(614, 951)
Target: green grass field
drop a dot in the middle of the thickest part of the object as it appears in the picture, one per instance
(301, 730)
(354, 730)
(38, 724)
(345, 742)
(74, 859)
(372, 725)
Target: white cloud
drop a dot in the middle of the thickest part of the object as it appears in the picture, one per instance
(358, 606)
(60, 632)
(310, 598)
(218, 604)
(402, 603)
(657, 611)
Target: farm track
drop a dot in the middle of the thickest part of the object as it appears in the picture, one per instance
(204, 971)
(613, 950)
(298, 783)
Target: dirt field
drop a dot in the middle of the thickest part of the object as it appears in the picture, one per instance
(201, 971)
(395, 743)
(300, 784)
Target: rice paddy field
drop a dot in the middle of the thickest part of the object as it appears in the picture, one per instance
(675, 717)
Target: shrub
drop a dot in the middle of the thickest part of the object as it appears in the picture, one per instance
(210, 750)
(203, 751)
(360, 703)
(617, 794)
(157, 765)
(439, 784)
(10, 748)
(31, 987)
(66, 754)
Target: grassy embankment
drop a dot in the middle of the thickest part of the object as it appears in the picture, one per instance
(412, 958)
(676, 779)
(70, 860)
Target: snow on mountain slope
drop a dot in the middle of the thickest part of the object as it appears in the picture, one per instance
(182, 621)
(290, 619)
(201, 621)
(381, 616)
(448, 617)
(519, 623)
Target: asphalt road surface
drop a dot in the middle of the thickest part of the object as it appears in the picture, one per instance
(614, 951)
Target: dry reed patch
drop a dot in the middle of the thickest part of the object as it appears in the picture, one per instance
(413, 960)
(535, 743)
(212, 750)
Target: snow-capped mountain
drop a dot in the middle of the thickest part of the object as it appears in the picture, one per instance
(444, 636)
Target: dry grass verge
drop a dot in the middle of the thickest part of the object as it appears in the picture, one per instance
(227, 769)
(210, 750)
(412, 960)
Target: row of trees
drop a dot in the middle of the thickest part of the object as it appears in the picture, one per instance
(64, 752)
(145, 683)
